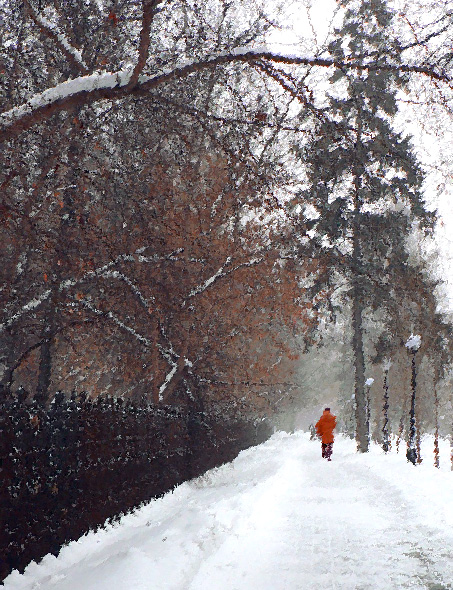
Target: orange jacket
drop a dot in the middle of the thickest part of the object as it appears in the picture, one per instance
(325, 425)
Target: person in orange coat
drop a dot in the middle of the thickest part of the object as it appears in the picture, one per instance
(324, 428)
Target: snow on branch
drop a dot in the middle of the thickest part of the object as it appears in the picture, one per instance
(103, 270)
(114, 274)
(168, 378)
(116, 85)
(176, 365)
(209, 281)
(178, 362)
(32, 304)
(52, 31)
(249, 263)
(177, 368)
(69, 89)
(168, 354)
(221, 273)
(109, 314)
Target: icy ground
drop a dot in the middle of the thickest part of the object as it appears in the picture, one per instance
(277, 518)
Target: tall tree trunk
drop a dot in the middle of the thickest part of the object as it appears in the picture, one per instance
(361, 410)
(60, 264)
(368, 410)
(154, 361)
(45, 363)
(362, 425)
(361, 406)
(451, 451)
(8, 361)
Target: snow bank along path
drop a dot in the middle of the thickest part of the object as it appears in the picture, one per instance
(277, 518)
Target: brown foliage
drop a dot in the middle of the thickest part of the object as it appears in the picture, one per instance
(163, 279)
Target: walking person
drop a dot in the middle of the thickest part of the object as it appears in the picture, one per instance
(324, 428)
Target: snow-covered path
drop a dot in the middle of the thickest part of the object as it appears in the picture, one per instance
(277, 518)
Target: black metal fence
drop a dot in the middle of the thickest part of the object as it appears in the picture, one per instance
(69, 468)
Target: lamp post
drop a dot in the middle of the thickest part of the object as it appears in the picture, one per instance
(413, 345)
(368, 383)
(386, 445)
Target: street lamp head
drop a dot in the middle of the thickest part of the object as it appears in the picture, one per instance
(413, 343)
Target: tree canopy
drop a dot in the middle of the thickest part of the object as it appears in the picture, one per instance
(183, 197)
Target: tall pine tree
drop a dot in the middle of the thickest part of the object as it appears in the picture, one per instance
(363, 179)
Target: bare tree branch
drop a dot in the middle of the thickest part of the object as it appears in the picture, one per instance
(149, 11)
(115, 319)
(70, 52)
(104, 270)
(115, 86)
(221, 273)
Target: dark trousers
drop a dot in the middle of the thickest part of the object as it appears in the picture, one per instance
(327, 449)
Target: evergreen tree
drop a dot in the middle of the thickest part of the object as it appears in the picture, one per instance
(363, 180)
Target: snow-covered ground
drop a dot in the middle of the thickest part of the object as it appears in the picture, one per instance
(277, 518)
